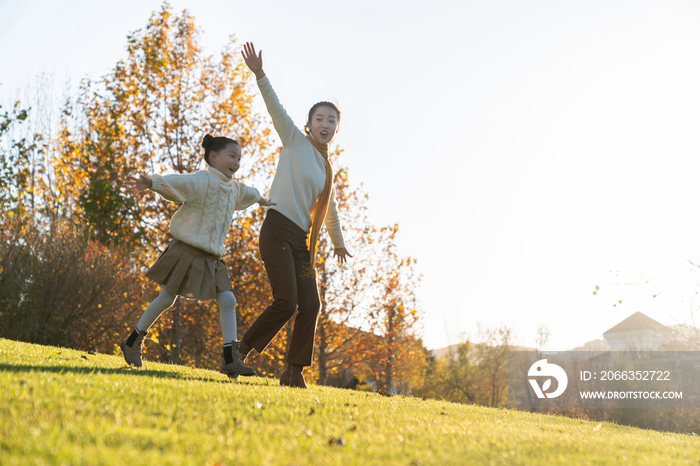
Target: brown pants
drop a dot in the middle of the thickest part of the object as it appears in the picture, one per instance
(284, 252)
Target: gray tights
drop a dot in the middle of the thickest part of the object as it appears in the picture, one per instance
(227, 312)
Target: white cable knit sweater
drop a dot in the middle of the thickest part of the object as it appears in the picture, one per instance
(208, 200)
(301, 172)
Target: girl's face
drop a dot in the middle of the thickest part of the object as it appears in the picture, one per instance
(324, 124)
(227, 160)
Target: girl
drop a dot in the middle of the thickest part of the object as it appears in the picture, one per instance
(191, 265)
(304, 192)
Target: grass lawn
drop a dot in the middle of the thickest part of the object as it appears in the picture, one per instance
(61, 406)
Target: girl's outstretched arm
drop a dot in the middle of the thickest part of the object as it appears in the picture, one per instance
(136, 185)
(175, 188)
(247, 196)
(253, 61)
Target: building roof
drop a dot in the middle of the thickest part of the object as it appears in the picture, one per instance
(635, 323)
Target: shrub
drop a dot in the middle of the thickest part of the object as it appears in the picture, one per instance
(59, 288)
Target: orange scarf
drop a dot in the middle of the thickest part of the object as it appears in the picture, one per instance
(318, 214)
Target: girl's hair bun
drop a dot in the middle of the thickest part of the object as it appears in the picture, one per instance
(210, 143)
(206, 142)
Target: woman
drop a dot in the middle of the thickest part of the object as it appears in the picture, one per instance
(305, 198)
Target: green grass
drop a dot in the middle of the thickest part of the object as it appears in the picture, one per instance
(61, 406)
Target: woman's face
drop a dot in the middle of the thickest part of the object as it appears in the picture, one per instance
(227, 160)
(324, 124)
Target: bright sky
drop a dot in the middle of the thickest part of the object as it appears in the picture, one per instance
(529, 150)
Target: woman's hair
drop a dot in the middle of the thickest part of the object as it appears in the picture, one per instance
(320, 104)
(210, 143)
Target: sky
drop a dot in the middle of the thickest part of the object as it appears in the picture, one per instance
(530, 151)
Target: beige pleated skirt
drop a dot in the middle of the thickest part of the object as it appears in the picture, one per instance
(190, 272)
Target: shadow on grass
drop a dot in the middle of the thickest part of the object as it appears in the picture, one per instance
(126, 371)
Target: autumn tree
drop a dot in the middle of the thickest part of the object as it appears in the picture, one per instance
(149, 115)
(397, 356)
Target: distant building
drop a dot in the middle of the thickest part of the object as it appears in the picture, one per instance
(638, 332)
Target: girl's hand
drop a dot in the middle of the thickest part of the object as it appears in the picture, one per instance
(136, 185)
(253, 61)
(266, 202)
(342, 254)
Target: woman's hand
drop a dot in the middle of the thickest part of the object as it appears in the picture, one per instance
(342, 254)
(253, 61)
(136, 185)
(266, 202)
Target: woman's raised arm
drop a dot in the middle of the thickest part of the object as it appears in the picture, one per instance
(253, 61)
(284, 125)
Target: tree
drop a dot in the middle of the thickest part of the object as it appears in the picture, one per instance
(492, 355)
(453, 377)
(472, 372)
(149, 115)
(397, 358)
(15, 160)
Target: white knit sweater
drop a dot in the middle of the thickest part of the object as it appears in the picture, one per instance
(208, 200)
(301, 172)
